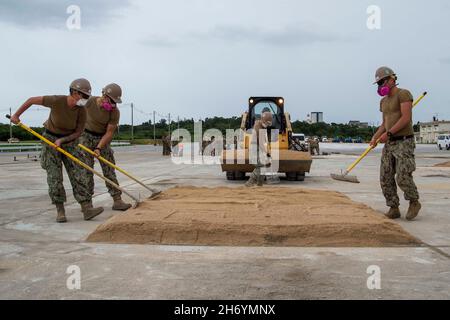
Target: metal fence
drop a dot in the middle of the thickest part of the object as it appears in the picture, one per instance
(27, 147)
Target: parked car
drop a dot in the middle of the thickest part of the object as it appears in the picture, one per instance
(348, 140)
(358, 140)
(337, 140)
(300, 136)
(443, 142)
(13, 140)
(300, 142)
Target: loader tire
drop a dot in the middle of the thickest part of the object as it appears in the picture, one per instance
(230, 175)
(291, 176)
(239, 175)
(300, 176)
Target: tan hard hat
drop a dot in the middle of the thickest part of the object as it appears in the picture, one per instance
(81, 85)
(382, 73)
(114, 92)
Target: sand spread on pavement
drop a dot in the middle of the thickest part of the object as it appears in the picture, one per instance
(443, 165)
(268, 216)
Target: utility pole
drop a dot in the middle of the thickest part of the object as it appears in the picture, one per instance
(178, 122)
(154, 128)
(132, 123)
(10, 124)
(170, 132)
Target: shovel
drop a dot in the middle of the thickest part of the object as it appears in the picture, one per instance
(344, 176)
(112, 165)
(76, 160)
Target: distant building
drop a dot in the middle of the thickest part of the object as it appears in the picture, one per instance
(429, 131)
(316, 117)
(358, 124)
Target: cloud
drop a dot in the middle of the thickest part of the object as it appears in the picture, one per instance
(159, 41)
(288, 36)
(52, 13)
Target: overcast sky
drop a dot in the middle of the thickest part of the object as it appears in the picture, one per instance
(201, 58)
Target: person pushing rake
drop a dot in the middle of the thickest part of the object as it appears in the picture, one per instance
(396, 132)
(62, 129)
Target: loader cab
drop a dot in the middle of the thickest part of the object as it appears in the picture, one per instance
(259, 105)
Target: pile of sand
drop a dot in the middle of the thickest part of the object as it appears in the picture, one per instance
(267, 216)
(443, 165)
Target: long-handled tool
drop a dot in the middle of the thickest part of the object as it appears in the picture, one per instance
(76, 160)
(344, 176)
(112, 165)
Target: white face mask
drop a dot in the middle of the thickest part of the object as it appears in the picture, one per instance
(82, 102)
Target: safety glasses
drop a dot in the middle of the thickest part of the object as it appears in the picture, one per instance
(382, 81)
(83, 95)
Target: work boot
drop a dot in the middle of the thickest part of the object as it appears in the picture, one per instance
(61, 213)
(413, 210)
(260, 180)
(89, 212)
(394, 213)
(119, 205)
(251, 182)
(272, 179)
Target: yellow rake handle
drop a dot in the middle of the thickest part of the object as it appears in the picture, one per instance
(370, 148)
(71, 157)
(109, 163)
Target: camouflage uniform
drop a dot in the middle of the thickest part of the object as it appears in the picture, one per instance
(166, 145)
(314, 147)
(398, 159)
(91, 141)
(52, 161)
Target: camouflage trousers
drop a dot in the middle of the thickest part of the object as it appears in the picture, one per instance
(314, 149)
(166, 149)
(398, 163)
(52, 161)
(256, 177)
(91, 142)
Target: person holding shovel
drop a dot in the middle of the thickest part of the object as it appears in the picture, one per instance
(102, 121)
(259, 153)
(63, 127)
(396, 132)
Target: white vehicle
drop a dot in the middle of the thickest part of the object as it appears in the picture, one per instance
(301, 143)
(325, 139)
(300, 136)
(443, 142)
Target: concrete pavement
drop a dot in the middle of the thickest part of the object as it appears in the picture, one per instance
(35, 252)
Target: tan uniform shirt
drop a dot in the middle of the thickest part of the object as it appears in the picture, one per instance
(390, 107)
(263, 140)
(98, 118)
(63, 120)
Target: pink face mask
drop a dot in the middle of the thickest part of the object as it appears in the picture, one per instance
(384, 90)
(107, 106)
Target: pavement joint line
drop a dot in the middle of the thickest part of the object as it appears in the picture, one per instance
(85, 244)
(436, 249)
